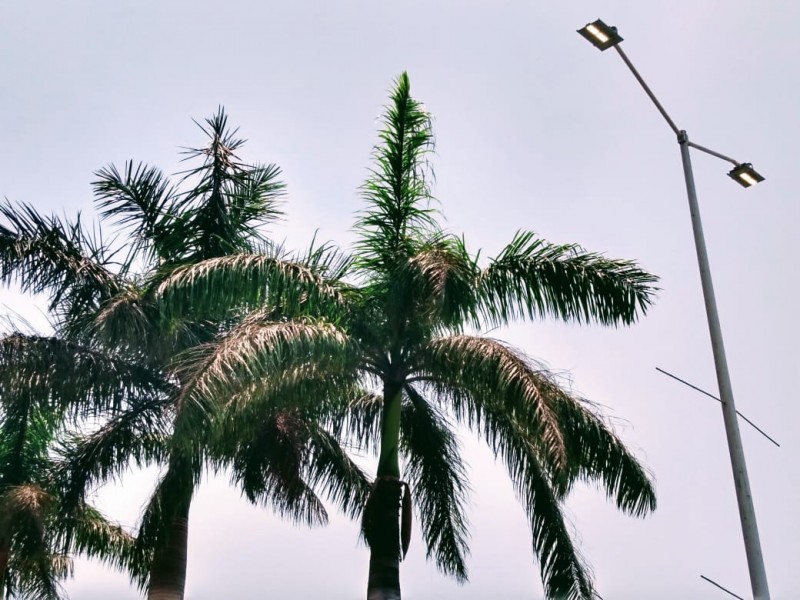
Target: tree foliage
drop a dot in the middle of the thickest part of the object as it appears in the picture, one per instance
(112, 381)
(395, 365)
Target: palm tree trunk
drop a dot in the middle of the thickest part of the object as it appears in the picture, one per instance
(168, 571)
(382, 515)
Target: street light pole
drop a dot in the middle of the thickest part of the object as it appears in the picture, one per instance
(603, 37)
(747, 514)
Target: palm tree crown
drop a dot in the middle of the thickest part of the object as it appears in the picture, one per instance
(108, 316)
(392, 353)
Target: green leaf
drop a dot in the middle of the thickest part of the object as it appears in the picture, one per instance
(535, 279)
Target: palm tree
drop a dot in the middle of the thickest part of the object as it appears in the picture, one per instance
(108, 312)
(397, 319)
(38, 530)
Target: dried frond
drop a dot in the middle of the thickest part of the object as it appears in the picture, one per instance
(256, 350)
(28, 503)
(220, 285)
(491, 374)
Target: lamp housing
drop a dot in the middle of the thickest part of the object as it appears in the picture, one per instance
(745, 175)
(601, 36)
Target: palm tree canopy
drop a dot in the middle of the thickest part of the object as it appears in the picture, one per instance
(220, 211)
(120, 357)
(406, 303)
(39, 529)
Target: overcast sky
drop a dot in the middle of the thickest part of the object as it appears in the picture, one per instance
(536, 129)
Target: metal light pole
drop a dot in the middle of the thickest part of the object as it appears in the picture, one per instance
(747, 514)
(604, 37)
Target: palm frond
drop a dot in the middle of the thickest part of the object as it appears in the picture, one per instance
(219, 286)
(493, 375)
(125, 322)
(56, 372)
(132, 324)
(141, 200)
(260, 348)
(254, 201)
(596, 454)
(26, 433)
(267, 464)
(332, 470)
(86, 531)
(440, 279)
(229, 198)
(438, 483)
(397, 191)
(563, 569)
(47, 255)
(137, 435)
(357, 422)
(38, 576)
(535, 279)
(503, 407)
(328, 261)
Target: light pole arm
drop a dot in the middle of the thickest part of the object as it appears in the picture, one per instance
(736, 163)
(647, 89)
(663, 111)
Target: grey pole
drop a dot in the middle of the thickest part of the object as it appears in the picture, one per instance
(747, 514)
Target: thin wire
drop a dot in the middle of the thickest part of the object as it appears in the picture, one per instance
(720, 587)
(694, 387)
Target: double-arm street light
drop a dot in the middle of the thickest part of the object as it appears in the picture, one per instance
(603, 37)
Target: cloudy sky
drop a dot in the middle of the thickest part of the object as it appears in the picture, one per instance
(536, 129)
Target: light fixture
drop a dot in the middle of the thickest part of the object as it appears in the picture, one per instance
(745, 175)
(601, 35)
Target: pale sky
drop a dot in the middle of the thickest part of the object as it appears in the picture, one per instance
(536, 129)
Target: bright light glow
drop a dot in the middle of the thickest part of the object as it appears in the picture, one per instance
(748, 179)
(602, 37)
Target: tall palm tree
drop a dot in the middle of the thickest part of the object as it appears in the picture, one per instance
(109, 311)
(38, 530)
(397, 320)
